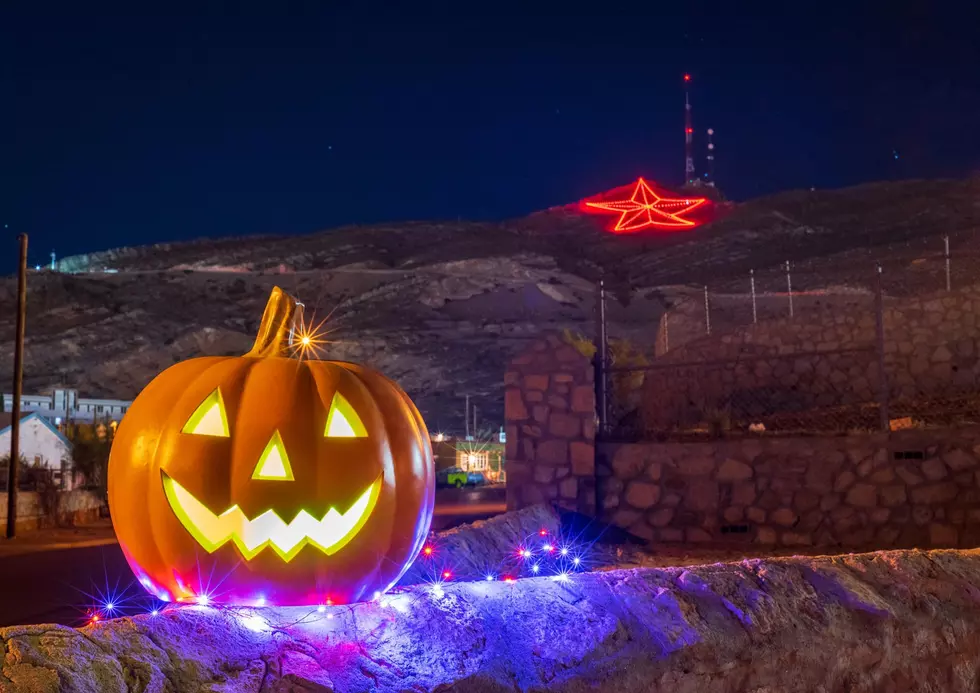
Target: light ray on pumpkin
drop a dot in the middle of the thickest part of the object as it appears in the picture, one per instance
(329, 534)
(309, 339)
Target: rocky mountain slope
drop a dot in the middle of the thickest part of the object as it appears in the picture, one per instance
(440, 306)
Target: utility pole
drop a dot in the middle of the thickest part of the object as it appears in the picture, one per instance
(466, 417)
(476, 431)
(18, 390)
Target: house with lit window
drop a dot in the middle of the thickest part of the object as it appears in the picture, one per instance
(480, 456)
(469, 456)
(41, 443)
(64, 405)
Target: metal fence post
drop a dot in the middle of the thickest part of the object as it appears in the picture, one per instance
(949, 279)
(755, 314)
(601, 362)
(880, 344)
(789, 288)
(707, 312)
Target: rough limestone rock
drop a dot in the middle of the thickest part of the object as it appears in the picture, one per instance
(472, 549)
(890, 621)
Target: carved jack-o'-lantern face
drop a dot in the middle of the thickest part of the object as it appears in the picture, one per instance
(265, 479)
(329, 532)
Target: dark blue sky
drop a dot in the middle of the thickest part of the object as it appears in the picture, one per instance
(125, 124)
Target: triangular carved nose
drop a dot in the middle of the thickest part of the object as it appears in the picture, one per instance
(274, 462)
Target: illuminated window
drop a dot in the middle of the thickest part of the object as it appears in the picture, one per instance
(209, 419)
(475, 461)
(343, 421)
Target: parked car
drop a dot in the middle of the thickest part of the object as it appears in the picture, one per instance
(454, 476)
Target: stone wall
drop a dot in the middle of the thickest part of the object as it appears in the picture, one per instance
(932, 347)
(864, 623)
(549, 412)
(76, 507)
(914, 488)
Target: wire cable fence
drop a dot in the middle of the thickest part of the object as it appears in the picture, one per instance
(38, 475)
(833, 345)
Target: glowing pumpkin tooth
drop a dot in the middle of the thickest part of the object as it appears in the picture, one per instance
(329, 534)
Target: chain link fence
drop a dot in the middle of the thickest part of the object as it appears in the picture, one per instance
(828, 345)
(38, 475)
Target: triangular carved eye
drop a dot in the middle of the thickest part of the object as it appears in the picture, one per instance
(343, 421)
(274, 462)
(209, 419)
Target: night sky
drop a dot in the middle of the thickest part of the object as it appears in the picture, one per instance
(126, 125)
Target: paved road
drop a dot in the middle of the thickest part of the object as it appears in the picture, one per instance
(454, 506)
(58, 586)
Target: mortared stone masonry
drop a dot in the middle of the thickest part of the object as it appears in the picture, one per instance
(549, 410)
(915, 488)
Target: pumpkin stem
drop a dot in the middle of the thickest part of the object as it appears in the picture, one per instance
(282, 318)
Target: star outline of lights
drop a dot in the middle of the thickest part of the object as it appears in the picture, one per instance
(645, 209)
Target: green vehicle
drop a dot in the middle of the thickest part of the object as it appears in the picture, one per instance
(454, 476)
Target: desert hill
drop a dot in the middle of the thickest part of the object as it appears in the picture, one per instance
(440, 306)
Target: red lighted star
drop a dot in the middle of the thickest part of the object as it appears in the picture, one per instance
(645, 209)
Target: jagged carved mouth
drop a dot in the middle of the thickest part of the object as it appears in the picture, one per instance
(329, 534)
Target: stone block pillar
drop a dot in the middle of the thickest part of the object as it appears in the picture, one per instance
(550, 417)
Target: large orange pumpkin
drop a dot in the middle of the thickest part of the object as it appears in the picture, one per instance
(269, 479)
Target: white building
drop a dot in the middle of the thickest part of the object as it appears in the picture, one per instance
(474, 461)
(40, 443)
(63, 404)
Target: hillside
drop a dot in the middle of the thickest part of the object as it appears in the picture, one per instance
(440, 306)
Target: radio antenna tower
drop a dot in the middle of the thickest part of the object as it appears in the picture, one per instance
(689, 176)
(710, 177)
